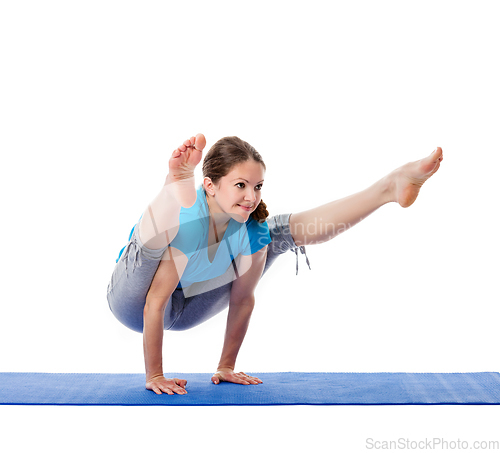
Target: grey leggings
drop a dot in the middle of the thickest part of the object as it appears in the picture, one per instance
(137, 266)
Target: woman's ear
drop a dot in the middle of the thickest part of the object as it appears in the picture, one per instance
(208, 186)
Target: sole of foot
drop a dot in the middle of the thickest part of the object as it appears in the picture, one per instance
(410, 177)
(181, 165)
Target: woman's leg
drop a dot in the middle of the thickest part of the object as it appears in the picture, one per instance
(134, 272)
(323, 223)
(160, 221)
(131, 280)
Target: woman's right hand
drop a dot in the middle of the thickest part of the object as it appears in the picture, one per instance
(161, 384)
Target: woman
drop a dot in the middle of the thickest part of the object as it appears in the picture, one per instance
(196, 251)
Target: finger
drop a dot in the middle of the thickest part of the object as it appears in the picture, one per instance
(251, 379)
(181, 382)
(237, 380)
(255, 380)
(216, 378)
(177, 389)
(165, 389)
(248, 379)
(247, 376)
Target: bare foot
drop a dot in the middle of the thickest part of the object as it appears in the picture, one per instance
(181, 169)
(408, 179)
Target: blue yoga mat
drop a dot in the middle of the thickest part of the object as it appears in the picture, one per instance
(288, 388)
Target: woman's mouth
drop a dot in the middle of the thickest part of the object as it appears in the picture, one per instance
(245, 208)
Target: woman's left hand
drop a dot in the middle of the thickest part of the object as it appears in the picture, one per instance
(228, 375)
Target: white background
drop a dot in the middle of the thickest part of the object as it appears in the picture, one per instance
(96, 95)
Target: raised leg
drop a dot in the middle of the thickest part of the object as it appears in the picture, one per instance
(323, 223)
(160, 221)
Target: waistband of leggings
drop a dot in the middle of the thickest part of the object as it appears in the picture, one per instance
(137, 250)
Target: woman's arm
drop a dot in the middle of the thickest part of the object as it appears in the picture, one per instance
(163, 285)
(238, 320)
(154, 312)
(241, 305)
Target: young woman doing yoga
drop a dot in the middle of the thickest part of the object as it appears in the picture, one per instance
(197, 250)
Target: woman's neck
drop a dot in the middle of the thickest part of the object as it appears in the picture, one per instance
(221, 219)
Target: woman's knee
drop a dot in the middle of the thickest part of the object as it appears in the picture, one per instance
(281, 237)
(129, 314)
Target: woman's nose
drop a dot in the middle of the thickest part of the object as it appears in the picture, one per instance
(250, 196)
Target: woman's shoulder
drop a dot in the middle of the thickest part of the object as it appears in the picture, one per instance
(255, 227)
(257, 236)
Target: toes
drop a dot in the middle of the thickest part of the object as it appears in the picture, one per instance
(200, 141)
(428, 165)
(187, 144)
(197, 142)
(437, 154)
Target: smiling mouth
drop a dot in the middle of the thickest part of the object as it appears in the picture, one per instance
(245, 207)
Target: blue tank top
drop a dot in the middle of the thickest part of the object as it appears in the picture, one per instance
(192, 239)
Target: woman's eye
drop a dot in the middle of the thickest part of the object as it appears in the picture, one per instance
(258, 186)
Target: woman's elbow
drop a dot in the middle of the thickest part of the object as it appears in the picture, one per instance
(155, 304)
(247, 300)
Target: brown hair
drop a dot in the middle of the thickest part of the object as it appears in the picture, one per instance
(223, 156)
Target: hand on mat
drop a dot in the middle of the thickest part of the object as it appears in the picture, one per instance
(161, 384)
(228, 375)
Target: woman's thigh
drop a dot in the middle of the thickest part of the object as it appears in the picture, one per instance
(131, 280)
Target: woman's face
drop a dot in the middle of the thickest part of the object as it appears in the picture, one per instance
(239, 189)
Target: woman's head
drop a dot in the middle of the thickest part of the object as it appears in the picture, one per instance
(233, 174)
